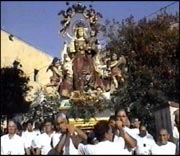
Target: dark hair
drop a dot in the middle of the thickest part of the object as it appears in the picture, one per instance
(119, 110)
(100, 129)
(112, 117)
(55, 59)
(134, 119)
(24, 125)
(143, 125)
(29, 121)
(48, 120)
(176, 113)
(91, 138)
(19, 126)
(37, 125)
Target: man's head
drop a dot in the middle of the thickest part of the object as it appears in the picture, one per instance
(19, 129)
(30, 125)
(103, 131)
(48, 125)
(12, 127)
(163, 136)
(142, 130)
(176, 113)
(112, 121)
(122, 116)
(135, 123)
(61, 122)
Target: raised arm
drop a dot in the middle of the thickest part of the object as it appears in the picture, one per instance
(59, 147)
(130, 142)
(77, 135)
(81, 134)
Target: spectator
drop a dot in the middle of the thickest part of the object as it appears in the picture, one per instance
(164, 146)
(145, 142)
(43, 143)
(19, 129)
(28, 136)
(112, 123)
(135, 124)
(34, 140)
(11, 143)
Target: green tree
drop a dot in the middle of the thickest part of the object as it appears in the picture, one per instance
(43, 106)
(151, 48)
(14, 88)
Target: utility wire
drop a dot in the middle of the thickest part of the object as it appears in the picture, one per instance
(165, 7)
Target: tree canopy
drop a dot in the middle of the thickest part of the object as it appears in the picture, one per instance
(14, 88)
(151, 48)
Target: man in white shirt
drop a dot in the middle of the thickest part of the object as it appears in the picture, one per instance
(36, 134)
(124, 131)
(163, 146)
(105, 146)
(28, 136)
(44, 144)
(112, 123)
(135, 124)
(145, 142)
(69, 136)
(11, 143)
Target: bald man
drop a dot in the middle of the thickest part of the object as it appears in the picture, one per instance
(11, 143)
(66, 140)
(164, 146)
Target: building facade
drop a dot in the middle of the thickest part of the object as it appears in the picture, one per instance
(33, 61)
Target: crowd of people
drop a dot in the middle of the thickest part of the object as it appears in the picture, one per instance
(117, 136)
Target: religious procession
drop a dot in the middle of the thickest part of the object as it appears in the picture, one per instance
(91, 82)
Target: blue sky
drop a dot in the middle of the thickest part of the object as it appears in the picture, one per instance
(37, 22)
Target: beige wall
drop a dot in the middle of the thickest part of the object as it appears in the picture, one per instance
(30, 58)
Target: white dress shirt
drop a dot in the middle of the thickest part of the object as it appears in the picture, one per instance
(69, 148)
(144, 145)
(28, 138)
(13, 146)
(168, 149)
(131, 133)
(35, 138)
(104, 147)
(44, 143)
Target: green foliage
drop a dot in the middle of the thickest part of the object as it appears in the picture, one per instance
(44, 106)
(14, 88)
(152, 49)
(90, 109)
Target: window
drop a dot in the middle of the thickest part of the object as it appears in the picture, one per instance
(36, 75)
